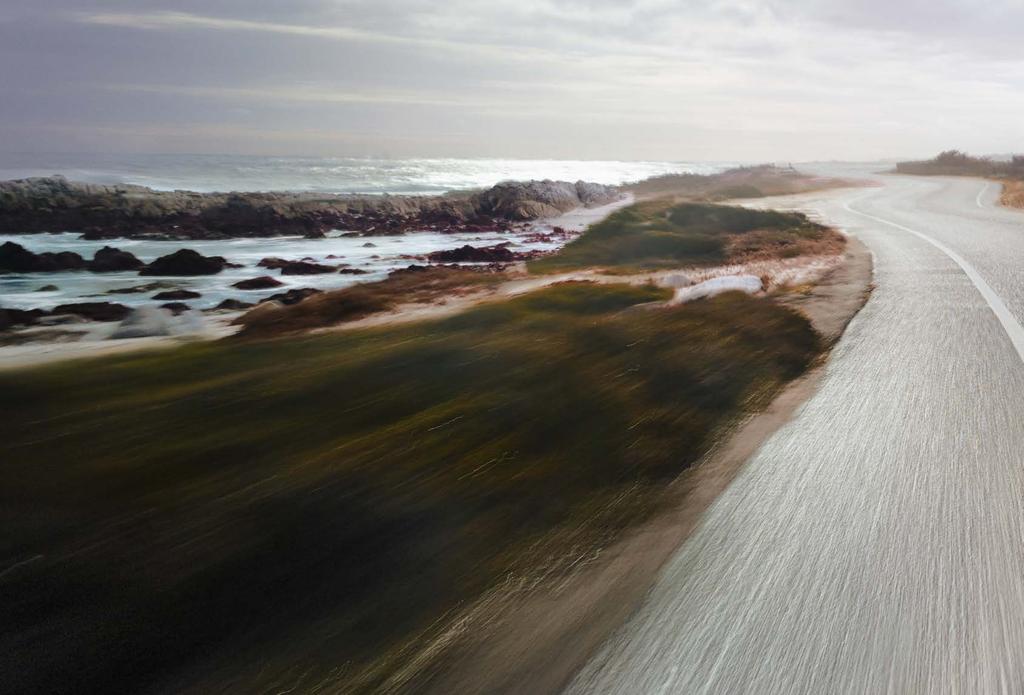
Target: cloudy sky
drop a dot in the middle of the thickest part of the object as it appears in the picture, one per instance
(649, 79)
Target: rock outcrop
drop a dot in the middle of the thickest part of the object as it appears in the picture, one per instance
(176, 308)
(15, 258)
(185, 262)
(291, 296)
(529, 200)
(10, 318)
(473, 254)
(94, 311)
(174, 295)
(111, 260)
(232, 305)
(306, 268)
(54, 204)
(263, 282)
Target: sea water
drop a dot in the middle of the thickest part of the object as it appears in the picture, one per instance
(376, 255)
(208, 173)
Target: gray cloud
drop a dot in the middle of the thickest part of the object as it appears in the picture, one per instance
(728, 79)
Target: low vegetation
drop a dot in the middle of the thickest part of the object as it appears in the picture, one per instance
(278, 514)
(660, 234)
(741, 182)
(1013, 194)
(957, 163)
(422, 284)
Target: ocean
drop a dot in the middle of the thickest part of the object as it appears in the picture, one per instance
(208, 173)
(376, 256)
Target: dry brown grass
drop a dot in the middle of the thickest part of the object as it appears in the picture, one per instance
(744, 182)
(661, 234)
(1013, 194)
(766, 244)
(359, 301)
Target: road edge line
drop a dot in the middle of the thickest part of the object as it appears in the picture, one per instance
(1014, 331)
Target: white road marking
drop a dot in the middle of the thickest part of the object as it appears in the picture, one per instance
(982, 192)
(1013, 329)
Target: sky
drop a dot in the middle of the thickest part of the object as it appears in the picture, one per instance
(741, 80)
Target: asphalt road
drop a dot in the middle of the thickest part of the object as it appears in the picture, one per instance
(876, 543)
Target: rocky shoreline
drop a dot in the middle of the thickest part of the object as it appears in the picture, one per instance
(55, 204)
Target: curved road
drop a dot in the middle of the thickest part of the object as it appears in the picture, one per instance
(876, 543)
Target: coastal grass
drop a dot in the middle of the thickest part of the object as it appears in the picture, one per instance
(422, 284)
(1012, 195)
(1009, 173)
(276, 514)
(957, 163)
(658, 234)
(740, 182)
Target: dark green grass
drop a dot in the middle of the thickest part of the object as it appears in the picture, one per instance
(656, 234)
(250, 512)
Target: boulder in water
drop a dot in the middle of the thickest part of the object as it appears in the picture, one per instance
(176, 307)
(15, 258)
(176, 295)
(10, 318)
(263, 282)
(473, 254)
(94, 311)
(291, 296)
(185, 262)
(111, 260)
(233, 305)
(306, 268)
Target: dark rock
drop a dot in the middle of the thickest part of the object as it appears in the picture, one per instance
(273, 263)
(314, 234)
(353, 271)
(177, 294)
(232, 305)
(63, 260)
(94, 311)
(15, 258)
(472, 254)
(292, 296)
(369, 245)
(9, 318)
(110, 260)
(104, 212)
(139, 289)
(185, 262)
(414, 268)
(48, 288)
(305, 268)
(263, 282)
(527, 200)
(176, 307)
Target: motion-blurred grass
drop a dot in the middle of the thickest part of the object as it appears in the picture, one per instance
(271, 514)
(659, 234)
